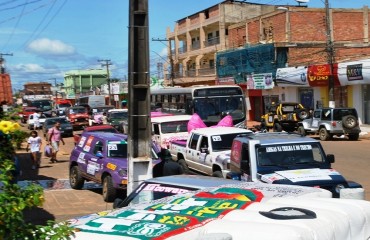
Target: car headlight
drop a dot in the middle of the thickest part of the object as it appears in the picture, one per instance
(339, 187)
(122, 172)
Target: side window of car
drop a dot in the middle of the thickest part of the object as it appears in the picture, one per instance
(194, 141)
(98, 147)
(156, 129)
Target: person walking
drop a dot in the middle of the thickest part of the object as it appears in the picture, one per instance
(36, 120)
(104, 118)
(167, 166)
(34, 144)
(54, 138)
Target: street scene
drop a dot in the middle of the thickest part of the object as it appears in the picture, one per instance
(241, 115)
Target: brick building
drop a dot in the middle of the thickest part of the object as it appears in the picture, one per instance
(299, 38)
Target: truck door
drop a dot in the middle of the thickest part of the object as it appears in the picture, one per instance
(203, 157)
(192, 154)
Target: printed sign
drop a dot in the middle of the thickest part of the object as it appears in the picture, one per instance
(304, 175)
(87, 146)
(82, 141)
(354, 72)
(260, 81)
(216, 138)
(288, 148)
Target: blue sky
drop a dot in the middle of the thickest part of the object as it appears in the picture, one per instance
(50, 37)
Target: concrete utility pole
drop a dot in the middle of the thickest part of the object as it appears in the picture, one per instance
(139, 137)
(2, 68)
(106, 64)
(330, 52)
(172, 73)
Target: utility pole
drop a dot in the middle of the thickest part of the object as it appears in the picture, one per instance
(106, 64)
(330, 52)
(2, 68)
(172, 73)
(139, 132)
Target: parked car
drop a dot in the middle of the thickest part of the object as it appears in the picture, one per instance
(284, 116)
(329, 122)
(101, 157)
(117, 118)
(285, 158)
(65, 126)
(169, 128)
(30, 121)
(78, 116)
(160, 187)
(99, 128)
(26, 111)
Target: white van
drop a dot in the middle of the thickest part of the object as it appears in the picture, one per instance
(169, 128)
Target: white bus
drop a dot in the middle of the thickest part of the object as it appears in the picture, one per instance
(211, 103)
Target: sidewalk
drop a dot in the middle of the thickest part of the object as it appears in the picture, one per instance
(61, 202)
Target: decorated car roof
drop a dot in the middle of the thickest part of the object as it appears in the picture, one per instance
(276, 138)
(108, 135)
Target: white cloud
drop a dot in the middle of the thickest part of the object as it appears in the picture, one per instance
(45, 46)
(29, 68)
(163, 52)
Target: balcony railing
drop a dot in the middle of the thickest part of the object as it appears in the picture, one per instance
(212, 41)
(206, 71)
(195, 45)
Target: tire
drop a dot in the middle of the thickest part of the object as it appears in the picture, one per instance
(109, 192)
(75, 179)
(184, 166)
(217, 174)
(277, 127)
(354, 136)
(301, 131)
(302, 114)
(324, 134)
(349, 121)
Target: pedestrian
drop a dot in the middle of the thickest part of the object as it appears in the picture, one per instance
(34, 143)
(167, 166)
(54, 139)
(104, 118)
(36, 120)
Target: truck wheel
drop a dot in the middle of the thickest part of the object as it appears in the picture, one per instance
(109, 192)
(75, 179)
(324, 134)
(354, 136)
(217, 174)
(277, 127)
(301, 131)
(184, 166)
(349, 121)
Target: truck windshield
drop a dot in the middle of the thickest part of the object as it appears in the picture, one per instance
(119, 115)
(222, 142)
(117, 149)
(289, 154)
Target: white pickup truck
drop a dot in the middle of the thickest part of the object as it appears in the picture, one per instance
(206, 150)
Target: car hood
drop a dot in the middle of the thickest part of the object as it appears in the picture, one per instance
(306, 177)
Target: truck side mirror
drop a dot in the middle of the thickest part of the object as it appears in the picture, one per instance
(330, 158)
(204, 150)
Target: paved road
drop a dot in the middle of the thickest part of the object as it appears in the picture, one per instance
(63, 203)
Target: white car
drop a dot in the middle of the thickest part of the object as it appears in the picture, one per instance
(30, 121)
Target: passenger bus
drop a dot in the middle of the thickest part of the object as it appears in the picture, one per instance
(42, 105)
(211, 103)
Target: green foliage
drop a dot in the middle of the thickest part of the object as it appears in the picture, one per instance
(18, 137)
(15, 199)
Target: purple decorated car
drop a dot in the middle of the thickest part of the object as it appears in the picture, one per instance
(101, 157)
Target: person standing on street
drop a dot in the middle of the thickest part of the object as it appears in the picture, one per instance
(34, 142)
(167, 166)
(54, 138)
(104, 118)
